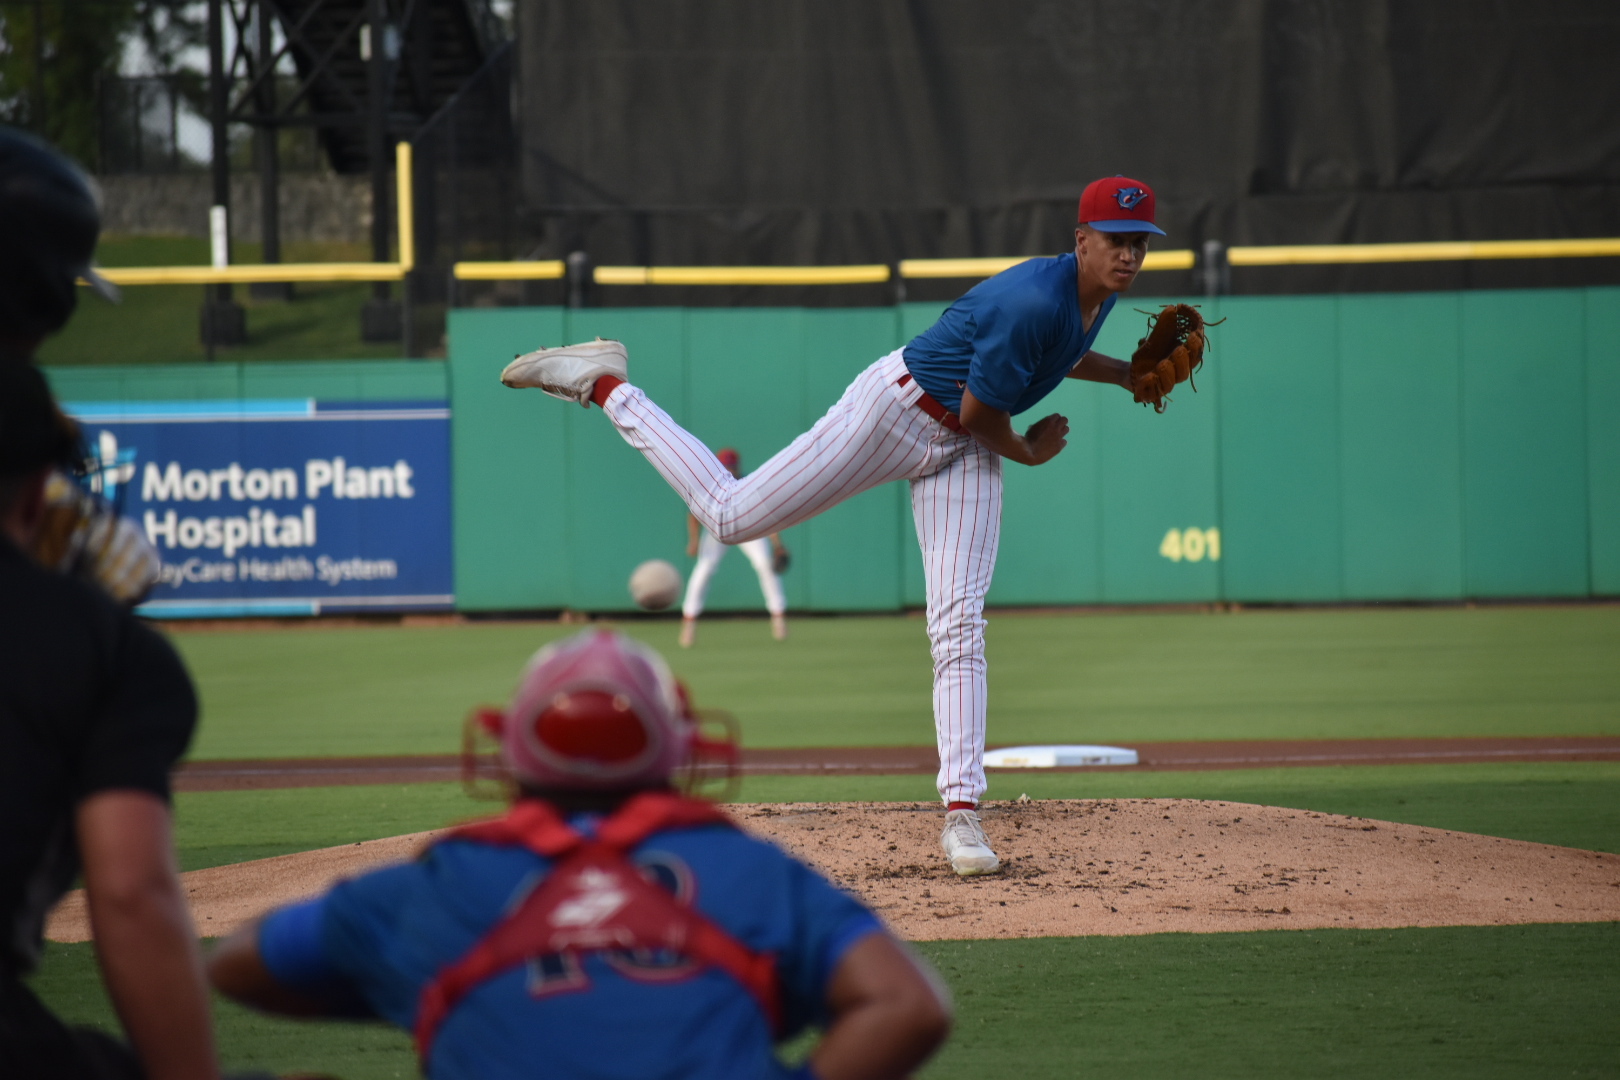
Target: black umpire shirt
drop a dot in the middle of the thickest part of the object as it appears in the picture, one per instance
(91, 700)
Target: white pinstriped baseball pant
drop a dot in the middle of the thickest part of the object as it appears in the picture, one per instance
(710, 552)
(874, 434)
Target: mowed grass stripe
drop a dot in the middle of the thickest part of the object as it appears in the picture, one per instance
(1574, 804)
(864, 681)
(1517, 1001)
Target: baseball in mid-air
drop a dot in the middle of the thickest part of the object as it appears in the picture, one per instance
(655, 585)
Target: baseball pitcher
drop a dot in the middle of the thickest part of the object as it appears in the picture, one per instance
(938, 414)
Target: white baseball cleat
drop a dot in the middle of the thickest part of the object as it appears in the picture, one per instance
(570, 371)
(966, 845)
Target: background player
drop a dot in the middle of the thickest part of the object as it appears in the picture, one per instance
(557, 934)
(766, 557)
(938, 413)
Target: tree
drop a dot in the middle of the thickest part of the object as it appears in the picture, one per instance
(54, 55)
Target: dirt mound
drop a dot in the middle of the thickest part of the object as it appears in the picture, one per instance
(1078, 867)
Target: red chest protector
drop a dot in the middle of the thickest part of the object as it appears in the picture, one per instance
(595, 899)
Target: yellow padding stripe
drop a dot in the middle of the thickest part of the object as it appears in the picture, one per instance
(741, 275)
(236, 275)
(981, 268)
(1461, 249)
(543, 270)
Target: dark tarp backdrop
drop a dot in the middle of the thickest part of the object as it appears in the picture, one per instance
(863, 131)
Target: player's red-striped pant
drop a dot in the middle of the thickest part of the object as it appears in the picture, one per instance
(874, 434)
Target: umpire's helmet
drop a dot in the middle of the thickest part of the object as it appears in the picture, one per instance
(597, 712)
(49, 221)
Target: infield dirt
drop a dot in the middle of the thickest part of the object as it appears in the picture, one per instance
(1078, 867)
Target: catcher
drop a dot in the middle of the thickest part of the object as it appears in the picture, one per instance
(770, 560)
(605, 926)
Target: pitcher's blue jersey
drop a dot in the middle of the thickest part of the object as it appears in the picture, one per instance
(379, 939)
(1010, 339)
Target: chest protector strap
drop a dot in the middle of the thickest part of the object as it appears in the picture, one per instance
(595, 899)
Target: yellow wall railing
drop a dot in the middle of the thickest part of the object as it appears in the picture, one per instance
(518, 270)
(282, 272)
(1320, 254)
(969, 268)
(741, 275)
(1433, 252)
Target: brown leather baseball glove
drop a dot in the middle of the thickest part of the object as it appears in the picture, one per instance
(1168, 356)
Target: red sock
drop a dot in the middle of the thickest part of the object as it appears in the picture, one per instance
(960, 806)
(604, 386)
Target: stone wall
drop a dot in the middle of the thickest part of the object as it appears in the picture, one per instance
(313, 206)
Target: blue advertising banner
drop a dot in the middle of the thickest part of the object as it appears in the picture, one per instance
(274, 507)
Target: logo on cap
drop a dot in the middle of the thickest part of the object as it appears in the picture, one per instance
(1128, 197)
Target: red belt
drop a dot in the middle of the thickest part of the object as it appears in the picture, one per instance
(933, 408)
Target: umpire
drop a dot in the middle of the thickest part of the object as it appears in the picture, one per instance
(95, 708)
(49, 223)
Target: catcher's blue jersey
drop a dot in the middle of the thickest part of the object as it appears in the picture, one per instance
(377, 940)
(1010, 339)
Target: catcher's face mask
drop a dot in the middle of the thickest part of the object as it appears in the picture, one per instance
(600, 712)
(596, 712)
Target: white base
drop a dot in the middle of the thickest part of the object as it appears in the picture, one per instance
(1050, 757)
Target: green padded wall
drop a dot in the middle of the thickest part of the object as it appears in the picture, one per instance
(618, 510)
(1524, 445)
(1404, 447)
(1279, 449)
(1603, 435)
(1400, 448)
(507, 466)
(1159, 473)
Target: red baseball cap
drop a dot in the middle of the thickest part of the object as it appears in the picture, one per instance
(729, 458)
(1118, 204)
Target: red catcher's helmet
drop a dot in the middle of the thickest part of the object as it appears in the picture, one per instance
(597, 712)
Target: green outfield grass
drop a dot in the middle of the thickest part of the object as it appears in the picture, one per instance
(1517, 1001)
(1493, 1002)
(865, 681)
(1574, 804)
(158, 324)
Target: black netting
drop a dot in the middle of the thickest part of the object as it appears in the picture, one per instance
(866, 131)
(466, 177)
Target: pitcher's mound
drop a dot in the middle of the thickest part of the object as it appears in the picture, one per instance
(1075, 867)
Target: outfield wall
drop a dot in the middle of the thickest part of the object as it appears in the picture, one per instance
(1344, 448)
(1416, 446)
